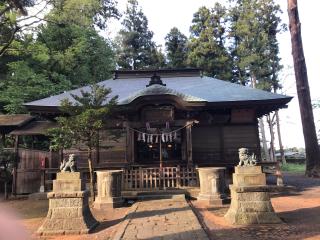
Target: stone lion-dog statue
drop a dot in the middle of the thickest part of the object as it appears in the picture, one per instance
(245, 158)
(70, 165)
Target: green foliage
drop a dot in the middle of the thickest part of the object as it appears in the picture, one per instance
(24, 85)
(60, 56)
(135, 47)
(84, 13)
(254, 27)
(207, 46)
(86, 116)
(7, 159)
(61, 137)
(79, 55)
(293, 167)
(10, 11)
(176, 48)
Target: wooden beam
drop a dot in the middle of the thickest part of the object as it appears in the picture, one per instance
(15, 165)
(3, 139)
(189, 145)
(221, 135)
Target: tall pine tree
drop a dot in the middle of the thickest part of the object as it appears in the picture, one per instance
(135, 47)
(59, 56)
(254, 28)
(207, 46)
(176, 49)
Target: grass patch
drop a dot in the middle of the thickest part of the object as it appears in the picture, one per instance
(293, 167)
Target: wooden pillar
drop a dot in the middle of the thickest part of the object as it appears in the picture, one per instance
(15, 165)
(98, 150)
(3, 139)
(221, 141)
(129, 144)
(258, 149)
(189, 145)
(50, 158)
(132, 142)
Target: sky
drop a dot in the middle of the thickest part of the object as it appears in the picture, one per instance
(165, 14)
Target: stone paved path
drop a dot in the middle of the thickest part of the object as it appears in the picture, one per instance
(163, 219)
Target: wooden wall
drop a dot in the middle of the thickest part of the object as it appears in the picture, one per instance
(30, 164)
(206, 144)
(218, 145)
(112, 150)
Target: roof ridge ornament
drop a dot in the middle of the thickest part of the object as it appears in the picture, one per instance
(155, 79)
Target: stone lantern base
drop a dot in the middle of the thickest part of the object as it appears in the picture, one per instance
(69, 211)
(250, 200)
(212, 186)
(109, 189)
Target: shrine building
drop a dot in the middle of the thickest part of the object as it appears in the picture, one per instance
(169, 121)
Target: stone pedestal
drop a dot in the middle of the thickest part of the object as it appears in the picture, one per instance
(69, 211)
(212, 185)
(250, 200)
(109, 189)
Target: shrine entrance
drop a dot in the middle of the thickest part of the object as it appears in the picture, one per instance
(156, 178)
(158, 152)
(161, 159)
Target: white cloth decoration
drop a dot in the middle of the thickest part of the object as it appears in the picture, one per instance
(163, 137)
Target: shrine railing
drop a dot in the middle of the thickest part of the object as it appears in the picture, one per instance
(148, 179)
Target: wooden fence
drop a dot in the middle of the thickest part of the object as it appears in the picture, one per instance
(148, 179)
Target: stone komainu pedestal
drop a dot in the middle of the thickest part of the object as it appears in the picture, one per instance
(212, 185)
(109, 189)
(69, 211)
(250, 200)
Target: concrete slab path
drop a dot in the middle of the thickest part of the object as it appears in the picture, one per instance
(162, 219)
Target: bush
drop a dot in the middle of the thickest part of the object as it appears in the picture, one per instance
(293, 167)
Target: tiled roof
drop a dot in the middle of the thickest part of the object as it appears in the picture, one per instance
(190, 89)
(14, 119)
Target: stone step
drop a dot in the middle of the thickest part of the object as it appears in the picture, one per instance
(188, 192)
(176, 197)
(163, 192)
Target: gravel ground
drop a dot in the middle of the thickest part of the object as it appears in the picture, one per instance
(299, 210)
(21, 218)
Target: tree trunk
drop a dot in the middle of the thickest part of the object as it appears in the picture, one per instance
(283, 159)
(264, 140)
(5, 190)
(272, 150)
(300, 69)
(91, 173)
(272, 153)
(261, 124)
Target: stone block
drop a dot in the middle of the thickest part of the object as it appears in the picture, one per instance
(247, 189)
(246, 218)
(254, 206)
(250, 200)
(69, 211)
(212, 186)
(108, 203)
(65, 213)
(252, 196)
(268, 217)
(68, 176)
(252, 179)
(68, 185)
(109, 189)
(248, 169)
(65, 202)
